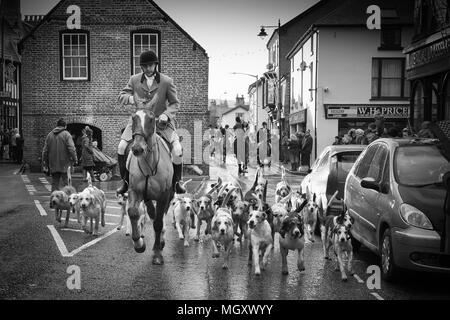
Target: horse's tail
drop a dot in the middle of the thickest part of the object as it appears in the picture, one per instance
(89, 179)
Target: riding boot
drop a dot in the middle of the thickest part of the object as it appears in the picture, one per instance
(124, 174)
(240, 169)
(177, 171)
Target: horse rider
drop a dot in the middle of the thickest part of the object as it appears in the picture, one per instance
(152, 90)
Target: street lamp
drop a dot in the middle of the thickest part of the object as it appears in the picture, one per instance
(262, 34)
(256, 95)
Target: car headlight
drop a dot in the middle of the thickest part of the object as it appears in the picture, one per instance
(415, 217)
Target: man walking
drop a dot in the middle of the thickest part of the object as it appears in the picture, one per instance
(263, 141)
(58, 154)
(307, 146)
(152, 90)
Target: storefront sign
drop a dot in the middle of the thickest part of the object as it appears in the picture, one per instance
(5, 94)
(336, 111)
(431, 53)
(298, 117)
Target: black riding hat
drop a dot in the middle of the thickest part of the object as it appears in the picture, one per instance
(148, 57)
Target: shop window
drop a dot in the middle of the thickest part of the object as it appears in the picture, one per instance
(143, 41)
(434, 103)
(74, 55)
(388, 78)
(391, 38)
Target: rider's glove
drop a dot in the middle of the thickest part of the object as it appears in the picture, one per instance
(163, 118)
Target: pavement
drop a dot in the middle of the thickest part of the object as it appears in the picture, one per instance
(38, 256)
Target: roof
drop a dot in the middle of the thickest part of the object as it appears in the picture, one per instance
(47, 17)
(245, 107)
(335, 149)
(352, 13)
(408, 141)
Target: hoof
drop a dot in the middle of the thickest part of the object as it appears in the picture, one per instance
(215, 255)
(301, 269)
(140, 250)
(162, 244)
(127, 234)
(119, 228)
(142, 236)
(186, 244)
(103, 224)
(344, 279)
(285, 272)
(196, 239)
(257, 274)
(158, 260)
(225, 267)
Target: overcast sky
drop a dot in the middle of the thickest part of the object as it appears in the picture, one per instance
(226, 29)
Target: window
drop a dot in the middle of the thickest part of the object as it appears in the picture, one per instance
(377, 165)
(391, 38)
(143, 41)
(75, 55)
(323, 162)
(388, 78)
(240, 115)
(363, 165)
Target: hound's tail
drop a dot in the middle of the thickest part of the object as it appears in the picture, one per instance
(283, 174)
(89, 179)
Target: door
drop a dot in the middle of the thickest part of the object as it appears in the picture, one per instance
(375, 199)
(358, 199)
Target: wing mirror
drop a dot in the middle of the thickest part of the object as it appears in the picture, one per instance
(370, 183)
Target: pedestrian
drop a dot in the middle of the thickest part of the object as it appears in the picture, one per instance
(393, 133)
(371, 134)
(5, 144)
(19, 148)
(164, 102)
(284, 147)
(337, 141)
(294, 150)
(406, 133)
(239, 151)
(359, 136)
(87, 154)
(58, 154)
(210, 137)
(307, 146)
(425, 130)
(379, 121)
(352, 136)
(263, 141)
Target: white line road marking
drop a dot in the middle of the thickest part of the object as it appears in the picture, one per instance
(40, 208)
(87, 245)
(59, 242)
(112, 215)
(74, 230)
(376, 295)
(113, 207)
(358, 278)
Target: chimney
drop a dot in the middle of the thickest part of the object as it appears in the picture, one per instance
(239, 101)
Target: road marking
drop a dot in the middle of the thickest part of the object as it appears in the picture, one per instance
(113, 207)
(59, 241)
(112, 215)
(87, 245)
(358, 278)
(376, 295)
(74, 230)
(40, 208)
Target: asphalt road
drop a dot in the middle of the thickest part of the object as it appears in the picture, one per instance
(35, 254)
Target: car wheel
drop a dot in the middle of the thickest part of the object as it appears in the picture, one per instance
(388, 267)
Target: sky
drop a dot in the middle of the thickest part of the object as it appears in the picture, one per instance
(226, 29)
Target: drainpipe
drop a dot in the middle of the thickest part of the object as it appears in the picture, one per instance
(316, 102)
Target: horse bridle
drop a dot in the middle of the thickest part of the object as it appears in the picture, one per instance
(149, 147)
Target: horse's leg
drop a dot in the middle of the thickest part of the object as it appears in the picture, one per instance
(158, 225)
(133, 212)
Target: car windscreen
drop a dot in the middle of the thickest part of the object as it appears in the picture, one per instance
(345, 162)
(418, 166)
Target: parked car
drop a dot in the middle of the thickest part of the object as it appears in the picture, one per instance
(395, 193)
(328, 173)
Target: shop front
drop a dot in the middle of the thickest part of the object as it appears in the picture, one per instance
(359, 116)
(297, 121)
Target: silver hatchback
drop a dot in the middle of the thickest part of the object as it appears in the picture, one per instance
(396, 194)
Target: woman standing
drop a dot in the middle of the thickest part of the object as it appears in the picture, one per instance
(87, 153)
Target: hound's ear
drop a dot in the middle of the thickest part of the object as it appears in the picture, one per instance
(65, 197)
(284, 228)
(264, 215)
(314, 197)
(352, 220)
(215, 226)
(340, 219)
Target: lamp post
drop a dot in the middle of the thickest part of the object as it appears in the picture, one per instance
(256, 94)
(262, 34)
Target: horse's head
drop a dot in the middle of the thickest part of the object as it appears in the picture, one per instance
(144, 125)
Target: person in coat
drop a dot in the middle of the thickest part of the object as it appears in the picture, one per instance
(152, 90)
(307, 146)
(294, 150)
(87, 154)
(58, 154)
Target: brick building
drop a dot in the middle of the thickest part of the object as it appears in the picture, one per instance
(77, 73)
